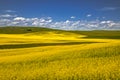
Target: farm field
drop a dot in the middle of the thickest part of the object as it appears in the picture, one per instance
(32, 53)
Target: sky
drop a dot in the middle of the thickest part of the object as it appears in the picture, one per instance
(61, 14)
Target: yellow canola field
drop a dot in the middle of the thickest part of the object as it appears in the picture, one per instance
(54, 56)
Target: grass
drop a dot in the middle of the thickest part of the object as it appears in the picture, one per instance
(48, 54)
(100, 34)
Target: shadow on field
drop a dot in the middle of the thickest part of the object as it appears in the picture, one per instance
(14, 46)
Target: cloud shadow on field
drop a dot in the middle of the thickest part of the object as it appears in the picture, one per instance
(15, 46)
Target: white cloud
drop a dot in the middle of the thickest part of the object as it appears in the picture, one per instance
(89, 15)
(7, 15)
(35, 23)
(19, 18)
(10, 11)
(67, 21)
(5, 20)
(109, 8)
(66, 25)
(49, 21)
(15, 23)
(41, 21)
(72, 17)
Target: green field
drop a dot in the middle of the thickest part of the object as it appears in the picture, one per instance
(32, 53)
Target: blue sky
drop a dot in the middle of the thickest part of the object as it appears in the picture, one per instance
(64, 9)
(61, 10)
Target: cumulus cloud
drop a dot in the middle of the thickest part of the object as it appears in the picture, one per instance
(89, 15)
(72, 17)
(65, 25)
(19, 18)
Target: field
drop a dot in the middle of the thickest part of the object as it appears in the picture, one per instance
(31, 53)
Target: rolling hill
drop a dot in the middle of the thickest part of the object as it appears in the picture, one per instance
(36, 53)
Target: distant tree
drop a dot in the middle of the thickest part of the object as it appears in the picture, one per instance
(29, 29)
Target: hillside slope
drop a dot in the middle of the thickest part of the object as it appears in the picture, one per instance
(31, 53)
